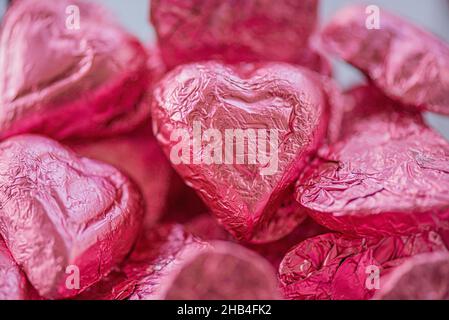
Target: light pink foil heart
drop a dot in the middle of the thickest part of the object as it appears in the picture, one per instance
(409, 64)
(66, 80)
(252, 199)
(62, 215)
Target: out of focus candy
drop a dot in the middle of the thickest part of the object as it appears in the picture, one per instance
(388, 175)
(237, 31)
(240, 137)
(68, 70)
(168, 263)
(67, 220)
(138, 155)
(338, 267)
(407, 63)
(422, 277)
(13, 283)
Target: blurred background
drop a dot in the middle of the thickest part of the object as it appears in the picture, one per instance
(433, 15)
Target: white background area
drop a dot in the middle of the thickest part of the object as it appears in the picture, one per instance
(433, 15)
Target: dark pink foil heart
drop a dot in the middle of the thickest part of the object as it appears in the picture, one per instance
(62, 215)
(409, 64)
(388, 175)
(66, 80)
(340, 267)
(237, 31)
(252, 199)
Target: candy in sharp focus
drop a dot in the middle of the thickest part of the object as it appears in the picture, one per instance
(422, 277)
(388, 175)
(170, 263)
(409, 64)
(341, 267)
(65, 80)
(237, 31)
(63, 216)
(249, 192)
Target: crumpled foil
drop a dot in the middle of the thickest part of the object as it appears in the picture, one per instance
(422, 277)
(169, 263)
(253, 200)
(63, 215)
(65, 80)
(388, 175)
(341, 267)
(13, 283)
(237, 31)
(409, 64)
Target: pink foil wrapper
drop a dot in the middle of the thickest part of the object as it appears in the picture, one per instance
(422, 277)
(251, 200)
(407, 63)
(139, 156)
(207, 228)
(13, 283)
(169, 263)
(66, 80)
(388, 175)
(237, 31)
(340, 267)
(62, 215)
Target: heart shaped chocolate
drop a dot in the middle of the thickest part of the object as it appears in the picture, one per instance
(67, 220)
(68, 70)
(240, 136)
(237, 31)
(13, 283)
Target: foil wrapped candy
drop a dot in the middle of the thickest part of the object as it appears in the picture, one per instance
(341, 267)
(387, 175)
(237, 31)
(64, 215)
(409, 64)
(287, 104)
(66, 80)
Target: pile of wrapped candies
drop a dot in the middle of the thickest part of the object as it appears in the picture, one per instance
(222, 162)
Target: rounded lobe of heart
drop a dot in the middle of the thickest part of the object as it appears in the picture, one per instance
(335, 266)
(139, 155)
(422, 277)
(13, 283)
(409, 64)
(59, 210)
(275, 97)
(234, 32)
(388, 175)
(67, 83)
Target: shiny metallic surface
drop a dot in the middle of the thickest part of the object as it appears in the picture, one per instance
(66, 80)
(337, 267)
(409, 64)
(252, 206)
(169, 263)
(61, 212)
(388, 175)
(237, 31)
